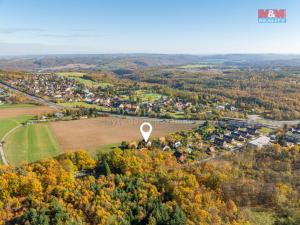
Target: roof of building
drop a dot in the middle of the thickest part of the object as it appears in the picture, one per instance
(261, 141)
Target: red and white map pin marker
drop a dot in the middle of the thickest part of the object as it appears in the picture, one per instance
(146, 134)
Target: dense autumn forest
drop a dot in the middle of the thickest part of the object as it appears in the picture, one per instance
(151, 187)
(272, 94)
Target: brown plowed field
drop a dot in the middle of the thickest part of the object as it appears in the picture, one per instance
(15, 112)
(90, 133)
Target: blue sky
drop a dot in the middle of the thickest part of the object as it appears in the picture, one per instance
(146, 26)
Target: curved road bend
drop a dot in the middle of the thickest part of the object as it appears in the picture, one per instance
(4, 160)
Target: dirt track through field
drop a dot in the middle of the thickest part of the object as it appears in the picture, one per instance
(14, 112)
(90, 133)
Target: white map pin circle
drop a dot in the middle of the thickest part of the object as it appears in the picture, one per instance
(146, 134)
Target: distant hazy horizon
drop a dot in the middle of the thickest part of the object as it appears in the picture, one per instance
(148, 54)
(140, 53)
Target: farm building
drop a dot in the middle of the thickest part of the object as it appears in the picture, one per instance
(260, 142)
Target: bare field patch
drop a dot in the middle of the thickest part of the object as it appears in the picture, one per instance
(24, 111)
(90, 133)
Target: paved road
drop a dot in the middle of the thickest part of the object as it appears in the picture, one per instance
(34, 98)
(4, 160)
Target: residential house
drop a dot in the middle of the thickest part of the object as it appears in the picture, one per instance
(251, 130)
(177, 144)
(59, 115)
(220, 142)
(233, 127)
(230, 107)
(210, 150)
(296, 131)
(237, 136)
(228, 138)
(179, 156)
(244, 134)
(220, 107)
(292, 137)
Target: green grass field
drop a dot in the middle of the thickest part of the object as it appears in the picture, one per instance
(149, 97)
(78, 76)
(71, 74)
(31, 143)
(83, 104)
(265, 130)
(11, 106)
(9, 123)
(6, 125)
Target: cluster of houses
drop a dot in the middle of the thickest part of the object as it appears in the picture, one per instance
(227, 106)
(165, 104)
(63, 89)
(226, 135)
(50, 86)
(292, 136)
(234, 135)
(237, 134)
(4, 96)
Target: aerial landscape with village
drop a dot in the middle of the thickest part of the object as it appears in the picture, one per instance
(48, 112)
(81, 80)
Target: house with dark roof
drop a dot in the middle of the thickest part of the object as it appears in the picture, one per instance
(296, 131)
(230, 107)
(292, 137)
(237, 136)
(244, 134)
(251, 130)
(233, 127)
(228, 138)
(220, 142)
(179, 156)
(211, 137)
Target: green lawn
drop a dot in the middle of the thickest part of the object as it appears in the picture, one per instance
(78, 76)
(144, 96)
(71, 74)
(31, 143)
(150, 97)
(88, 83)
(9, 106)
(6, 125)
(178, 115)
(83, 104)
(265, 130)
(9, 123)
